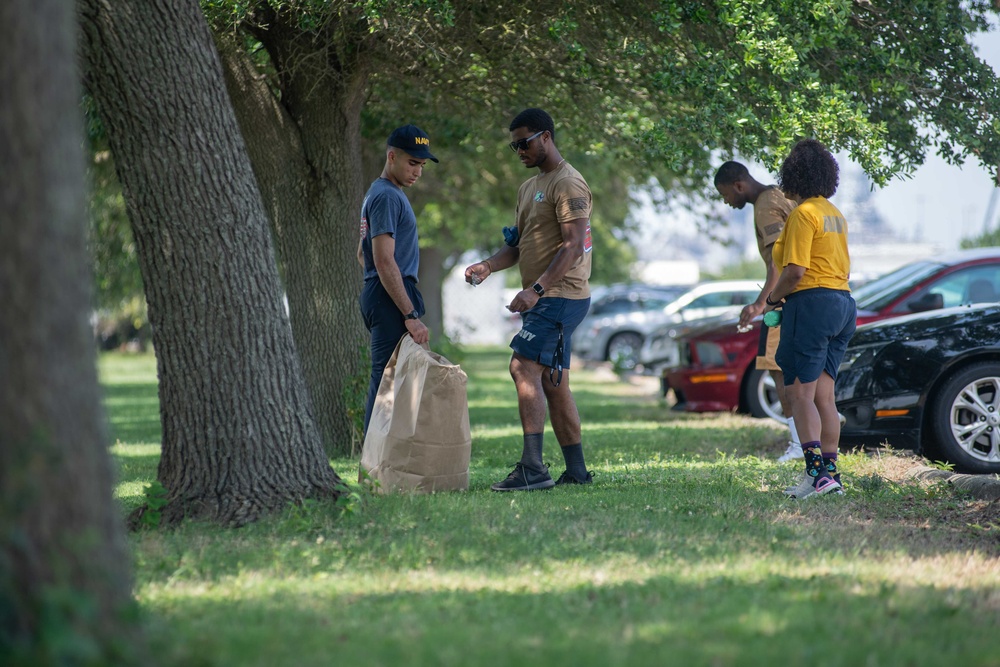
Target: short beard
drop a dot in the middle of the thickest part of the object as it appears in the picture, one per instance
(539, 160)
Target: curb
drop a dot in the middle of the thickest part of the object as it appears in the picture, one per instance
(984, 487)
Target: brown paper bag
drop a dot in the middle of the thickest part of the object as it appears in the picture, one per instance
(418, 438)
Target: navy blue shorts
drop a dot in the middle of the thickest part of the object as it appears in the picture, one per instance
(539, 338)
(816, 325)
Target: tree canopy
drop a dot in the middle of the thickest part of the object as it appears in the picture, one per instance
(671, 82)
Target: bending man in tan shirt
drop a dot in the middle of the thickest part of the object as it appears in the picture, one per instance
(770, 211)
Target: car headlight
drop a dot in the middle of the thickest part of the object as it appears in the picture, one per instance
(861, 355)
(709, 354)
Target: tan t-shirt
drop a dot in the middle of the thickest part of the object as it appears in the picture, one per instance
(769, 214)
(543, 204)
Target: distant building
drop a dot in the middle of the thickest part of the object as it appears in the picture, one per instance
(870, 260)
(669, 272)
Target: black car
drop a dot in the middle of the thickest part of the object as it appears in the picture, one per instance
(929, 382)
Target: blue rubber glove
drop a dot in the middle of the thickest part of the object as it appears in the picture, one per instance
(511, 236)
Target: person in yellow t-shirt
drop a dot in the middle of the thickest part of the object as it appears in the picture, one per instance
(819, 314)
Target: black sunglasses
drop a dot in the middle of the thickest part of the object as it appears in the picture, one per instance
(522, 144)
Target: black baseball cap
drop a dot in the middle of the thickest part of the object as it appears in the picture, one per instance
(413, 140)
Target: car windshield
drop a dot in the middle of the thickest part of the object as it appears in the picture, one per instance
(878, 293)
(631, 302)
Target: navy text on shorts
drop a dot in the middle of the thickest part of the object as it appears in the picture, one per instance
(551, 321)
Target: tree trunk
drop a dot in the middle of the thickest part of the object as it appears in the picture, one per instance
(432, 275)
(239, 435)
(64, 585)
(305, 152)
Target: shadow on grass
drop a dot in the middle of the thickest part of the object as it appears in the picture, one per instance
(133, 410)
(667, 619)
(137, 468)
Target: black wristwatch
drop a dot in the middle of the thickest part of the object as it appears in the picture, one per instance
(412, 315)
(539, 290)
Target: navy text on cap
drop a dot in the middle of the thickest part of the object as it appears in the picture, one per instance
(413, 140)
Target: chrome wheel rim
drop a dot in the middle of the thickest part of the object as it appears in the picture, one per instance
(767, 396)
(624, 350)
(975, 419)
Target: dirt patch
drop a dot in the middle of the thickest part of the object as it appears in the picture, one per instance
(978, 514)
(896, 510)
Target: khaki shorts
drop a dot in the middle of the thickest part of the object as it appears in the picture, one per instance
(768, 345)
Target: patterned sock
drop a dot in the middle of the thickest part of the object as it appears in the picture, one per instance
(814, 460)
(831, 466)
(531, 456)
(574, 461)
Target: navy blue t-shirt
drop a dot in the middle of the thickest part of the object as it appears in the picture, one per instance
(386, 210)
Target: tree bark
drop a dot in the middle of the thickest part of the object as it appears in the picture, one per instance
(64, 584)
(433, 271)
(304, 153)
(239, 434)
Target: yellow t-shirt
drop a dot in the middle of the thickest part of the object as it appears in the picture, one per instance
(544, 202)
(815, 237)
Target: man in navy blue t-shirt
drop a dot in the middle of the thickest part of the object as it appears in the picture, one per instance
(391, 304)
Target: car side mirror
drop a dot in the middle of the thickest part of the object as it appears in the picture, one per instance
(929, 301)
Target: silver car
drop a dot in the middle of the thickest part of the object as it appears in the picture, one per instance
(614, 332)
(628, 305)
(662, 348)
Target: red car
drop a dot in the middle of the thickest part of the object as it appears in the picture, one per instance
(717, 370)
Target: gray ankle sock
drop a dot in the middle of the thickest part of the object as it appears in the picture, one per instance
(532, 453)
(574, 461)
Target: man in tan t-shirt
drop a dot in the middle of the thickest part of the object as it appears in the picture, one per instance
(551, 245)
(770, 210)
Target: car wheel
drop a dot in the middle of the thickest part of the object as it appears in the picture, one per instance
(760, 395)
(623, 349)
(966, 419)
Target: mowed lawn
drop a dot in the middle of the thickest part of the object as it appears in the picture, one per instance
(683, 552)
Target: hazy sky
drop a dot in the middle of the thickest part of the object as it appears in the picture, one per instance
(945, 203)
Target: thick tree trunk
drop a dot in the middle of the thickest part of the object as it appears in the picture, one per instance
(305, 152)
(64, 584)
(239, 435)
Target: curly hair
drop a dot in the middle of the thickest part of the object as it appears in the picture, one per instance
(810, 170)
(535, 120)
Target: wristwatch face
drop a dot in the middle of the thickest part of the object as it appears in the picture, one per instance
(539, 290)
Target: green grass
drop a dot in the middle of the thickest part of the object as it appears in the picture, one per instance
(683, 552)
